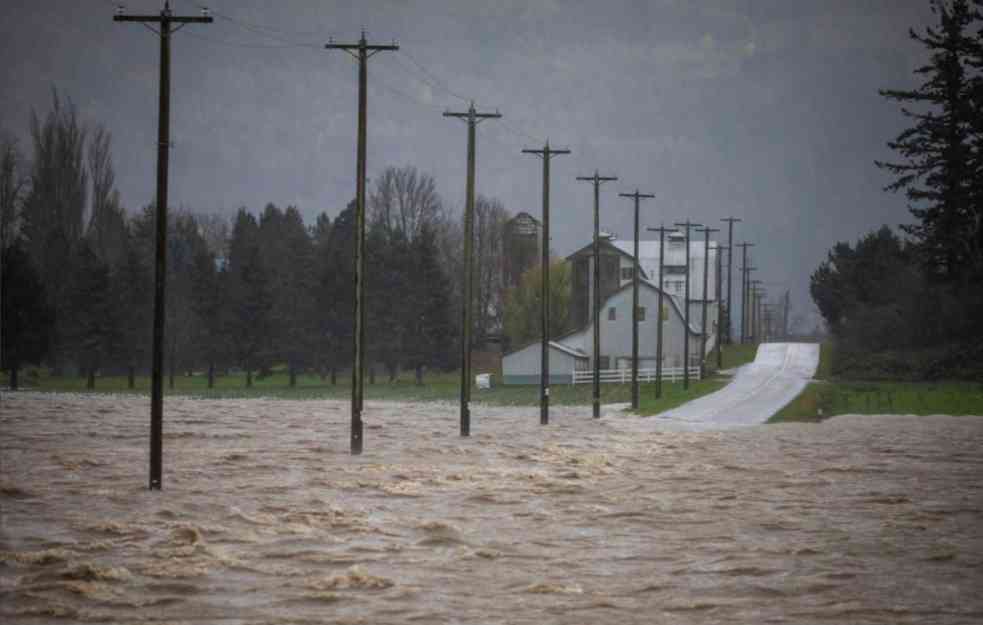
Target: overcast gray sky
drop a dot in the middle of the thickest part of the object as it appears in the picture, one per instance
(762, 109)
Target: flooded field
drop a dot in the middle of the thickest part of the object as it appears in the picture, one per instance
(266, 518)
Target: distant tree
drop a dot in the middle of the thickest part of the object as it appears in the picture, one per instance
(54, 208)
(335, 285)
(388, 289)
(132, 297)
(288, 256)
(428, 324)
(872, 294)
(935, 169)
(106, 230)
(208, 283)
(404, 200)
(184, 245)
(523, 310)
(250, 300)
(93, 330)
(25, 314)
(12, 185)
(490, 218)
(321, 229)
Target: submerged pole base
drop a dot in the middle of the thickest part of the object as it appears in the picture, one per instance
(356, 436)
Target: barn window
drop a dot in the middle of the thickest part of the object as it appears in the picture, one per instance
(641, 313)
(627, 273)
(612, 314)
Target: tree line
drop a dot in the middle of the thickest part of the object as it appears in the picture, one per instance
(251, 292)
(909, 306)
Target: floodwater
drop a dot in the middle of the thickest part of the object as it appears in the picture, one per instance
(266, 518)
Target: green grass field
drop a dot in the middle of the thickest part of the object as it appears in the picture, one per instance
(822, 400)
(828, 397)
(436, 387)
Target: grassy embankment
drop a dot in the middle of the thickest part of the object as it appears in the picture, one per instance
(830, 396)
(436, 387)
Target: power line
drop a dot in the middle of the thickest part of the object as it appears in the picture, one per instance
(442, 85)
(236, 44)
(270, 32)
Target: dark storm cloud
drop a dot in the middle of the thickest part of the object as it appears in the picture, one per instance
(764, 109)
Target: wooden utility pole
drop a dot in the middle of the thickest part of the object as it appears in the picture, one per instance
(634, 298)
(706, 277)
(362, 52)
(730, 269)
(689, 226)
(473, 118)
(753, 303)
(747, 303)
(166, 21)
(597, 180)
(658, 333)
(720, 307)
(544, 363)
(744, 247)
(785, 309)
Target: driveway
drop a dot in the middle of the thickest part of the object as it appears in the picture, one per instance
(759, 389)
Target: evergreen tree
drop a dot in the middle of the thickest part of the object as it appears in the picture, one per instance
(25, 314)
(132, 298)
(54, 208)
(207, 299)
(335, 286)
(289, 258)
(92, 331)
(250, 301)
(936, 169)
(429, 328)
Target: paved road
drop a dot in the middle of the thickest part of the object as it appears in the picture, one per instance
(760, 389)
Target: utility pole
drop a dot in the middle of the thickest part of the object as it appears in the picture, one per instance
(544, 363)
(634, 298)
(748, 304)
(730, 274)
(473, 118)
(658, 333)
(689, 226)
(706, 275)
(720, 308)
(785, 314)
(743, 247)
(362, 52)
(166, 21)
(753, 296)
(597, 180)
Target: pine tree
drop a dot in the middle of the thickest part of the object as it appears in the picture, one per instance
(250, 301)
(207, 298)
(429, 329)
(936, 170)
(333, 300)
(132, 289)
(26, 317)
(93, 330)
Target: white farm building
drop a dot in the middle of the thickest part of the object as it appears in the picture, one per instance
(574, 351)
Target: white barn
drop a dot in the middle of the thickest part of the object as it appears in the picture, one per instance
(574, 351)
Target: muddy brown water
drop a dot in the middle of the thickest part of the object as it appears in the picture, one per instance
(266, 518)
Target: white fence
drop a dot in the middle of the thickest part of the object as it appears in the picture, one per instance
(623, 376)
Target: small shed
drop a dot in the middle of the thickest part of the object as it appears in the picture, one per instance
(522, 366)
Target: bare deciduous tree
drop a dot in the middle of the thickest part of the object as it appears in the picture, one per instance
(404, 200)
